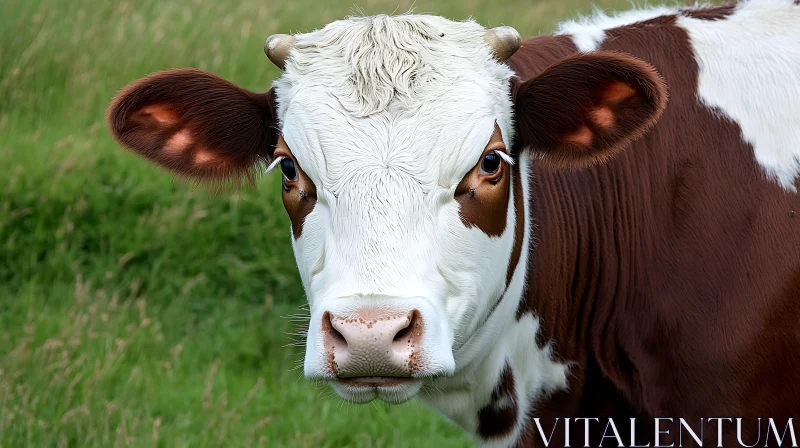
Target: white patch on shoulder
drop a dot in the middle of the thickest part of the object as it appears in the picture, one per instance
(749, 68)
(588, 32)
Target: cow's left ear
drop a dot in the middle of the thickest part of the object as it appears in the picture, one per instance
(587, 108)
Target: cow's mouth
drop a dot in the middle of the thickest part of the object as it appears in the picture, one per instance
(394, 390)
(375, 381)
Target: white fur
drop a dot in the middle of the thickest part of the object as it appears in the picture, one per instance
(750, 73)
(386, 115)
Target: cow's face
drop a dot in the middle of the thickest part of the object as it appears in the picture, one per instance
(393, 136)
(395, 154)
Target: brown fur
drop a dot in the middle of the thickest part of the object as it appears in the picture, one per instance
(195, 124)
(299, 196)
(710, 12)
(519, 222)
(588, 107)
(484, 199)
(499, 417)
(668, 275)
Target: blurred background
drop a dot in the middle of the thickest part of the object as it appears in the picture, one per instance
(136, 310)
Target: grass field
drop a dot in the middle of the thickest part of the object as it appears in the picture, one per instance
(135, 310)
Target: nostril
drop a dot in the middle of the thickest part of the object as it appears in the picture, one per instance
(338, 337)
(403, 332)
(333, 338)
(410, 335)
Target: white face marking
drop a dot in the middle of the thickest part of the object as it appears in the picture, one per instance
(748, 72)
(386, 115)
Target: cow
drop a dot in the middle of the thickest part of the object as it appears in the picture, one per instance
(595, 224)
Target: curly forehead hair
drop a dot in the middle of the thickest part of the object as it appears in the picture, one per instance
(371, 61)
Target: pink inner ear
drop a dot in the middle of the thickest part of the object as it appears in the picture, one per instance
(183, 141)
(602, 117)
(179, 143)
(203, 156)
(618, 92)
(583, 136)
(162, 113)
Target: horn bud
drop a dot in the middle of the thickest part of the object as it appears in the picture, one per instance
(503, 40)
(277, 48)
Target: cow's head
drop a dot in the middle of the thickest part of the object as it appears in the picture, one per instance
(395, 138)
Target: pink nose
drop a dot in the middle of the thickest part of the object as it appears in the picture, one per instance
(372, 344)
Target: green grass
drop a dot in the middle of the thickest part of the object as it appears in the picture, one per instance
(135, 310)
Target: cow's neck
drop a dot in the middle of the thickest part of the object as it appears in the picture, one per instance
(542, 338)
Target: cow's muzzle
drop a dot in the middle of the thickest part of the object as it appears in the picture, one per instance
(378, 348)
(373, 345)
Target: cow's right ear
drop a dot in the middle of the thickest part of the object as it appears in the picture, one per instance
(195, 124)
(587, 108)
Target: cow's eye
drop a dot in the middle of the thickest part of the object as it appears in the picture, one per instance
(288, 169)
(490, 163)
